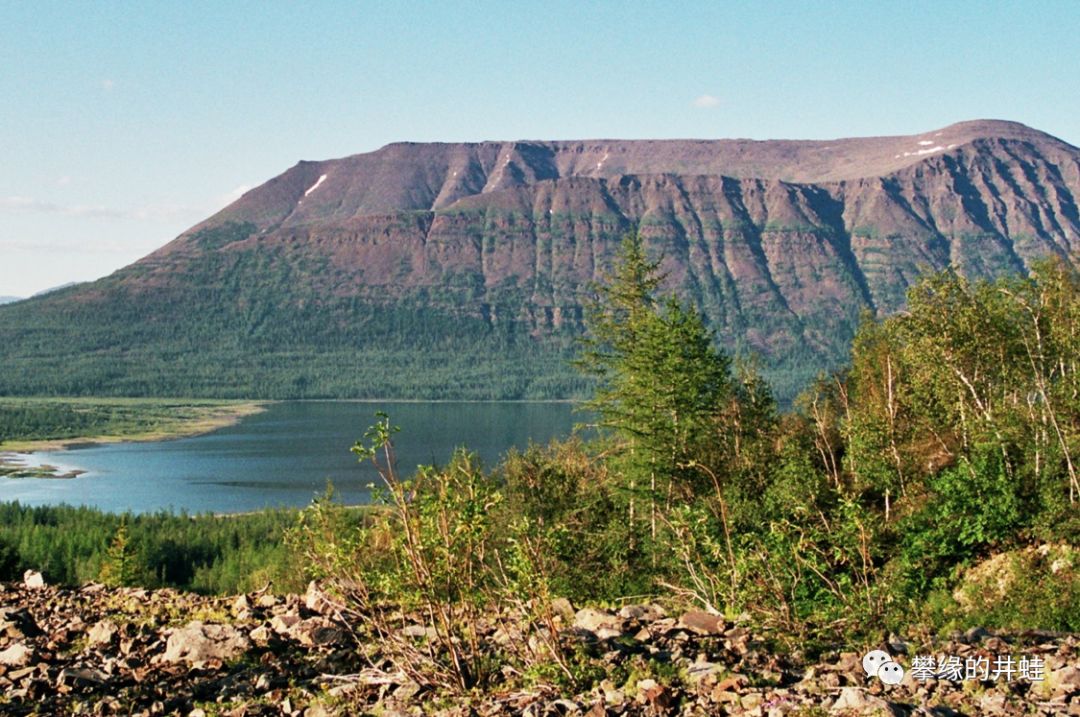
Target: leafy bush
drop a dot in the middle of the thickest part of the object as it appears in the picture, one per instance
(431, 556)
(970, 508)
(1031, 588)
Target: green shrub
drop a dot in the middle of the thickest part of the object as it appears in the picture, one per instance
(1028, 589)
(971, 507)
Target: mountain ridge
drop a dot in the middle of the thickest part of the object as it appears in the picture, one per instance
(727, 157)
(501, 241)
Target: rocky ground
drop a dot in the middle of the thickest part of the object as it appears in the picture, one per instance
(101, 651)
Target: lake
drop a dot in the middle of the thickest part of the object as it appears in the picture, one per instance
(283, 456)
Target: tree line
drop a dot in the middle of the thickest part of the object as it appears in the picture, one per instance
(203, 553)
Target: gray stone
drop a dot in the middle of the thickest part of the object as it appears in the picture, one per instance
(751, 700)
(283, 624)
(103, 633)
(317, 632)
(644, 613)
(407, 692)
(196, 643)
(992, 703)
(698, 671)
(319, 601)
(602, 624)
(563, 608)
(857, 700)
(702, 623)
(1065, 681)
(420, 631)
(81, 677)
(16, 675)
(17, 623)
(241, 605)
(16, 655)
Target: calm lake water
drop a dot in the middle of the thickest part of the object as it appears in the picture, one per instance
(284, 456)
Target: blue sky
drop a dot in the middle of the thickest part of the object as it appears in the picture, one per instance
(123, 123)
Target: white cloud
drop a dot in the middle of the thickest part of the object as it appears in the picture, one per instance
(167, 213)
(66, 244)
(706, 101)
(229, 197)
(108, 84)
(150, 212)
(63, 181)
(170, 213)
(29, 204)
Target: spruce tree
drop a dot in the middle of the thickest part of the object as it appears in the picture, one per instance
(119, 567)
(661, 379)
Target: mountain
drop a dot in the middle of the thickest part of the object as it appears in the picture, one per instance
(55, 288)
(459, 270)
(9, 299)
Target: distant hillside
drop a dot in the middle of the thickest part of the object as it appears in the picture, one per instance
(9, 299)
(56, 288)
(459, 270)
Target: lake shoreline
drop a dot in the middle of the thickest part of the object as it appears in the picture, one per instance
(22, 465)
(282, 457)
(14, 454)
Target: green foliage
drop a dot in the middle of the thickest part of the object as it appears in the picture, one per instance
(433, 552)
(1028, 587)
(245, 319)
(207, 554)
(660, 378)
(118, 567)
(262, 325)
(9, 560)
(950, 438)
(577, 504)
(661, 386)
(974, 504)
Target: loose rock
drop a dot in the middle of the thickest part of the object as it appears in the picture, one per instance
(197, 643)
(33, 579)
(16, 655)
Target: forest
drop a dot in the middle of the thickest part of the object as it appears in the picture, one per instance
(201, 553)
(25, 421)
(260, 325)
(931, 485)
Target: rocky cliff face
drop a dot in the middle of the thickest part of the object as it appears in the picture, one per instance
(799, 235)
(781, 243)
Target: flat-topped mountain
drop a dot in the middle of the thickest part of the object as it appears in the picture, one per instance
(459, 270)
(432, 177)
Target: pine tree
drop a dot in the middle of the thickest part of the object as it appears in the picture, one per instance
(119, 567)
(661, 379)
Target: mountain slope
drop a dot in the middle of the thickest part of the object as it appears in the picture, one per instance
(459, 270)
